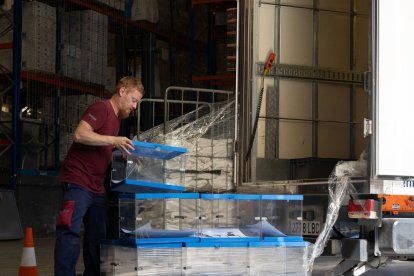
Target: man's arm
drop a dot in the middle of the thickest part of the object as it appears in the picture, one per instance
(85, 134)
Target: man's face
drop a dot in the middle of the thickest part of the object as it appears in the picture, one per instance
(129, 100)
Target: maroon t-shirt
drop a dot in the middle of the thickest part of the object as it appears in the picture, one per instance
(86, 165)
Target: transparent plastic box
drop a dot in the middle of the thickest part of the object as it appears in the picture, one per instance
(284, 213)
(159, 217)
(213, 258)
(278, 258)
(118, 258)
(148, 168)
(229, 216)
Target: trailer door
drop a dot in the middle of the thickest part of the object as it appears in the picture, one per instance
(393, 88)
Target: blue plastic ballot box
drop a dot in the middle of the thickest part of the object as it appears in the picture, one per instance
(151, 168)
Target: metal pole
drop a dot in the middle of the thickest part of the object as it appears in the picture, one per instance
(17, 58)
(148, 79)
(58, 72)
(315, 83)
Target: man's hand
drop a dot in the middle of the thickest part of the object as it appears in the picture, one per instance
(123, 144)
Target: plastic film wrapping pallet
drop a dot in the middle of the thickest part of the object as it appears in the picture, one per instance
(147, 169)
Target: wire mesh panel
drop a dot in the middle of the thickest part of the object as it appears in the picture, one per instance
(201, 120)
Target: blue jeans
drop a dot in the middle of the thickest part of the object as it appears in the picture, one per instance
(80, 205)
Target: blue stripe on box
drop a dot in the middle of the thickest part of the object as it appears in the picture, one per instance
(230, 196)
(279, 244)
(284, 239)
(216, 244)
(282, 197)
(160, 196)
(136, 186)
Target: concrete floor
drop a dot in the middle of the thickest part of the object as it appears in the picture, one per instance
(325, 265)
(10, 256)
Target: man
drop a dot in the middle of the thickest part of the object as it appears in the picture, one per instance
(82, 174)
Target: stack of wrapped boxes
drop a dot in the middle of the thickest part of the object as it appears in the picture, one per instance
(84, 46)
(165, 231)
(84, 40)
(38, 38)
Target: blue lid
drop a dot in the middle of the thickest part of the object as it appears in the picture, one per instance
(147, 241)
(231, 240)
(160, 195)
(278, 244)
(136, 186)
(165, 240)
(284, 239)
(230, 196)
(216, 244)
(157, 151)
(282, 197)
(161, 245)
(132, 243)
(264, 244)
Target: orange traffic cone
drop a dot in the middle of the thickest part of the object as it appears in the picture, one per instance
(28, 265)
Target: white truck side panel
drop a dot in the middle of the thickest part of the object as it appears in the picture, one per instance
(394, 89)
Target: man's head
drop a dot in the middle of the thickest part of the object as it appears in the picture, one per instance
(127, 94)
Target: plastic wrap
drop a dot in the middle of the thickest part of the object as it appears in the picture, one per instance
(208, 134)
(153, 134)
(339, 187)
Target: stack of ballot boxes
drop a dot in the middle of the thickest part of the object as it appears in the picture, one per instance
(166, 231)
(281, 249)
(247, 234)
(147, 231)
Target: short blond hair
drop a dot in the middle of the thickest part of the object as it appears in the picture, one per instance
(130, 82)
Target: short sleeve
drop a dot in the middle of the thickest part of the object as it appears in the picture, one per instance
(96, 115)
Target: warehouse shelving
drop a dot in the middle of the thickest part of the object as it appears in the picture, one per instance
(65, 82)
(120, 23)
(227, 32)
(7, 45)
(36, 91)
